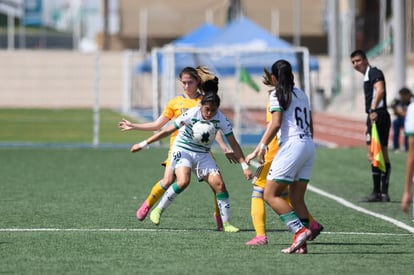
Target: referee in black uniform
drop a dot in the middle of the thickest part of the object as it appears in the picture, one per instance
(376, 109)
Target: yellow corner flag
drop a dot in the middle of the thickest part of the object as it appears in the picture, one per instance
(376, 150)
(246, 78)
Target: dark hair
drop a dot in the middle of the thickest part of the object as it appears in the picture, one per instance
(267, 80)
(282, 70)
(360, 53)
(210, 89)
(210, 85)
(405, 91)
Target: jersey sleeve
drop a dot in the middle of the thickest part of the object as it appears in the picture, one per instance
(268, 113)
(169, 110)
(376, 75)
(225, 125)
(274, 104)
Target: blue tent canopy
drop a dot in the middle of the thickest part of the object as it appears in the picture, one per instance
(242, 35)
(192, 39)
(242, 31)
(197, 36)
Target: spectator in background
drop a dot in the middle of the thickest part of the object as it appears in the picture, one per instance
(399, 106)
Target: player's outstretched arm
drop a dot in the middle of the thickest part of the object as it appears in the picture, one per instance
(126, 125)
(160, 135)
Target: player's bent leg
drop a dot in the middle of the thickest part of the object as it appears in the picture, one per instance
(156, 192)
(161, 186)
(166, 201)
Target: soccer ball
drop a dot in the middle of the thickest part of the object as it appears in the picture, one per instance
(204, 132)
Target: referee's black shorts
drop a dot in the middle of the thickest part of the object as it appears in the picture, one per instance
(383, 123)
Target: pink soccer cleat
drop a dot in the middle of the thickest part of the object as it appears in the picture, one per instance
(143, 211)
(299, 239)
(316, 229)
(258, 240)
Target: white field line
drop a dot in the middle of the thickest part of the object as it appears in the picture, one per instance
(366, 233)
(310, 187)
(97, 230)
(94, 230)
(360, 209)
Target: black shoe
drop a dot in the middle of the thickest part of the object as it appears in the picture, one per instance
(385, 198)
(374, 197)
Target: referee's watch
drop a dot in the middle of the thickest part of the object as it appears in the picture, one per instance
(372, 111)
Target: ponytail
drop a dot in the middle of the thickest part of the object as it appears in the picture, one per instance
(282, 70)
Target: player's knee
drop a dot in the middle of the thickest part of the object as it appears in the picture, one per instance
(217, 184)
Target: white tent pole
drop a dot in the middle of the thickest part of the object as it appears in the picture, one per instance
(236, 106)
(306, 72)
(143, 30)
(10, 30)
(127, 76)
(155, 89)
(96, 107)
(275, 22)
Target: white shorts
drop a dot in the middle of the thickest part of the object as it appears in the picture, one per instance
(201, 164)
(293, 161)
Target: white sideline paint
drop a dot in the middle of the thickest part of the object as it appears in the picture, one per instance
(360, 209)
(310, 187)
(94, 230)
(97, 230)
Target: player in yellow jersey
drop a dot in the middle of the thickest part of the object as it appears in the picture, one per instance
(258, 211)
(192, 80)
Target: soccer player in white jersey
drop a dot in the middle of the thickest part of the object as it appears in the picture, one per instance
(409, 174)
(189, 156)
(292, 165)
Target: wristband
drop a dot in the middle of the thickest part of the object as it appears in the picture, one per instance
(143, 144)
(263, 147)
(244, 165)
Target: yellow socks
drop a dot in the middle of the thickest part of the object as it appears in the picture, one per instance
(258, 213)
(156, 193)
